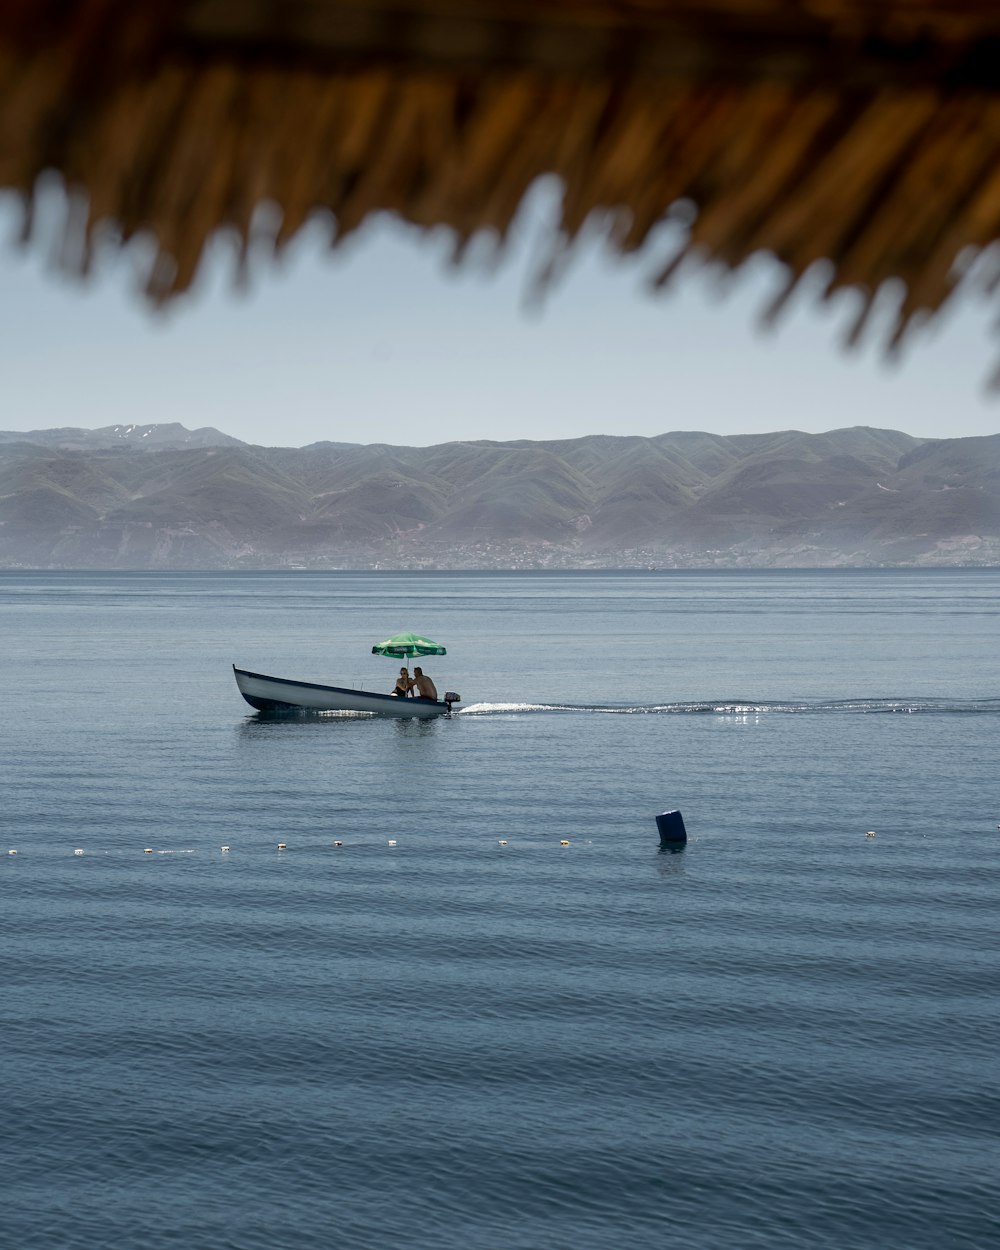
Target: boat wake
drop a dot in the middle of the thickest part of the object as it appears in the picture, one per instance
(750, 707)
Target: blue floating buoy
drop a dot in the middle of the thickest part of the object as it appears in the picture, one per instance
(671, 828)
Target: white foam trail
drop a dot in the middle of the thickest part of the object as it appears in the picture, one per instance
(743, 707)
(480, 708)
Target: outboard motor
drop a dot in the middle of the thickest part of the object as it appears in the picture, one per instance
(451, 697)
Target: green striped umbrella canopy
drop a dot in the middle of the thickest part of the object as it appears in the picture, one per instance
(404, 646)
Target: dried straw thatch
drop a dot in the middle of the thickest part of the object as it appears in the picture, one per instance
(866, 134)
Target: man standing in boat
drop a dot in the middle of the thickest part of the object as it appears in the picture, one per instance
(425, 687)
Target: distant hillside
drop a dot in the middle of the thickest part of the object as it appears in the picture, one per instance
(161, 496)
(142, 437)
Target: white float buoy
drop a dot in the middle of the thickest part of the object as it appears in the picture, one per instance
(282, 846)
(502, 842)
(147, 850)
(338, 843)
(870, 833)
(12, 852)
(392, 841)
(78, 851)
(564, 841)
(224, 849)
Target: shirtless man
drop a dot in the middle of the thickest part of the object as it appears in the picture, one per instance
(424, 685)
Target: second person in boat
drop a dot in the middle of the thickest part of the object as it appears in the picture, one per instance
(425, 687)
(404, 685)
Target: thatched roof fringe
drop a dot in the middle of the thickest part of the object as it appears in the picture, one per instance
(866, 136)
(848, 44)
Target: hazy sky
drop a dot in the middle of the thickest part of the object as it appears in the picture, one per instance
(386, 342)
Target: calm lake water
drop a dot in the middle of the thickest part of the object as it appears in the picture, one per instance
(784, 1036)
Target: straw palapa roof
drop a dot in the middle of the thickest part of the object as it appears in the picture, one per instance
(865, 134)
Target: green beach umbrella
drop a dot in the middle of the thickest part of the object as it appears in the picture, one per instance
(404, 646)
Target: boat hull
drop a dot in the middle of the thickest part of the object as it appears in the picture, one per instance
(278, 694)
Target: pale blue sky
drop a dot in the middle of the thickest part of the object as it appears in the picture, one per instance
(387, 343)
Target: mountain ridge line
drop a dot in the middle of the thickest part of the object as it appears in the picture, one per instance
(162, 496)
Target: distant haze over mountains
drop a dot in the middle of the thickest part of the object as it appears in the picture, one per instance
(161, 496)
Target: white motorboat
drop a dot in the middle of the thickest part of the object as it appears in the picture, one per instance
(280, 694)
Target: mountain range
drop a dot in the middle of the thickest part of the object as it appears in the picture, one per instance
(162, 496)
